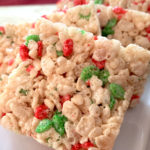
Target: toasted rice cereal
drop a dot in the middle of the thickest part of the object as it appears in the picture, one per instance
(77, 88)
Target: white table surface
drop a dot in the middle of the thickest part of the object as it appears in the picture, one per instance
(135, 130)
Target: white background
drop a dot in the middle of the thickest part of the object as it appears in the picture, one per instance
(135, 130)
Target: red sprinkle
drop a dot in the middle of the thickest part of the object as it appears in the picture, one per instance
(77, 146)
(95, 38)
(119, 10)
(135, 97)
(68, 47)
(29, 68)
(99, 64)
(135, 3)
(33, 25)
(86, 145)
(56, 33)
(44, 16)
(38, 73)
(64, 99)
(148, 37)
(106, 4)
(24, 52)
(79, 2)
(10, 62)
(40, 49)
(3, 114)
(88, 83)
(148, 9)
(41, 112)
(2, 29)
(62, 10)
(98, 10)
(147, 29)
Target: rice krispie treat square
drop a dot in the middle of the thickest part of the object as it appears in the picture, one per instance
(72, 91)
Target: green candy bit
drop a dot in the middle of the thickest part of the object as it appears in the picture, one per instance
(23, 92)
(98, 1)
(108, 28)
(112, 102)
(59, 53)
(1, 33)
(59, 122)
(104, 74)
(88, 72)
(82, 32)
(44, 125)
(86, 17)
(117, 91)
(35, 38)
(108, 31)
(111, 23)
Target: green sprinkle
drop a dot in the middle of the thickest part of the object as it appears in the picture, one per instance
(23, 92)
(86, 17)
(59, 53)
(89, 71)
(35, 38)
(112, 102)
(0, 79)
(1, 33)
(104, 74)
(59, 122)
(111, 23)
(108, 28)
(43, 126)
(8, 37)
(117, 91)
(82, 32)
(91, 101)
(99, 1)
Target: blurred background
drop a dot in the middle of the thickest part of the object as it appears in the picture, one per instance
(25, 2)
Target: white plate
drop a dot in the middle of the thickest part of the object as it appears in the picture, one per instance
(135, 130)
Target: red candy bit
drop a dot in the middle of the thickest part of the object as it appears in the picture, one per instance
(148, 37)
(40, 49)
(2, 30)
(33, 25)
(135, 97)
(148, 9)
(95, 38)
(147, 29)
(88, 83)
(56, 33)
(44, 16)
(38, 73)
(29, 68)
(98, 10)
(10, 62)
(41, 112)
(62, 10)
(135, 3)
(24, 52)
(119, 10)
(99, 64)
(64, 99)
(106, 4)
(79, 2)
(76, 146)
(3, 114)
(68, 47)
(86, 145)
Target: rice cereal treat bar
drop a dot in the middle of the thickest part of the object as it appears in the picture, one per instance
(127, 26)
(84, 17)
(140, 5)
(73, 91)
